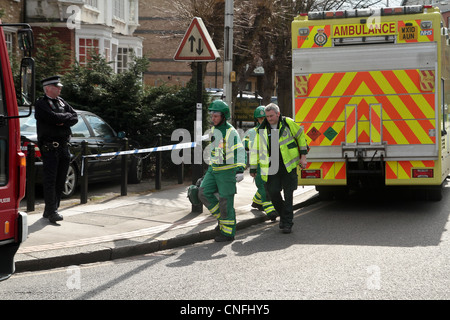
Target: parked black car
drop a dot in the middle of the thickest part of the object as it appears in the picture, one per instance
(101, 138)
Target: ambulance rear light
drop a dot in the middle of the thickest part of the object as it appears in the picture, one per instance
(315, 15)
(415, 9)
(422, 173)
(391, 10)
(310, 174)
(334, 14)
(303, 32)
(425, 25)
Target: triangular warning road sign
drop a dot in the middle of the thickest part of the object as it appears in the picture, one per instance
(197, 44)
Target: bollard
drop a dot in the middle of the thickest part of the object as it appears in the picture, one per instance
(31, 177)
(181, 173)
(84, 173)
(158, 165)
(180, 167)
(124, 171)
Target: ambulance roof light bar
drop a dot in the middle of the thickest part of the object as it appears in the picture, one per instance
(318, 15)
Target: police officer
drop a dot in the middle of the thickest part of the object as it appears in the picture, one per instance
(260, 200)
(54, 117)
(281, 147)
(226, 167)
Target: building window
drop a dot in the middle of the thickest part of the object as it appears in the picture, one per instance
(107, 51)
(132, 15)
(92, 3)
(124, 57)
(9, 42)
(87, 47)
(119, 9)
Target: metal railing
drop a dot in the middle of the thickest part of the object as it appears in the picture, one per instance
(84, 176)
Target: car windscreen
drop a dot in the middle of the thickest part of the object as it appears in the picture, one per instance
(28, 124)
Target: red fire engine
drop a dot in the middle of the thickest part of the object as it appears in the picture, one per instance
(13, 223)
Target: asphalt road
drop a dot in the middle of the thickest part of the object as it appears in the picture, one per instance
(372, 246)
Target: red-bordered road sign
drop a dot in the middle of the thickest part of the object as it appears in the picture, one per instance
(197, 44)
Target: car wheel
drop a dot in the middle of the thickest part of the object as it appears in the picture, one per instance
(136, 170)
(71, 182)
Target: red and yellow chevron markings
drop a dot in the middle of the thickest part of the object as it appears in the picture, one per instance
(330, 170)
(427, 80)
(403, 169)
(395, 106)
(301, 86)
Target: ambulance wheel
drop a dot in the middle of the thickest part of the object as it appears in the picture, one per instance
(434, 193)
(325, 193)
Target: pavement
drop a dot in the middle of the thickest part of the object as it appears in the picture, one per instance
(139, 223)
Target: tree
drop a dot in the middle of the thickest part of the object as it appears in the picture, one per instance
(51, 56)
(262, 37)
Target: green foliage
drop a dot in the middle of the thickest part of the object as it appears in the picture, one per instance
(50, 57)
(122, 101)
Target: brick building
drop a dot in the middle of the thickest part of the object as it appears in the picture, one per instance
(104, 26)
(11, 12)
(162, 32)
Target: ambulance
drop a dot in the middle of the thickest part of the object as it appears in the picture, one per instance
(371, 89)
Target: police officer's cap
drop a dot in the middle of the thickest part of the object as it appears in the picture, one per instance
(54, 80)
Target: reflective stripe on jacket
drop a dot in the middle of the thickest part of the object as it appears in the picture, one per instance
(227, 150)
(291, 143)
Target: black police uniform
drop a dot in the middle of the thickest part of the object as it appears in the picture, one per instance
(54, 119)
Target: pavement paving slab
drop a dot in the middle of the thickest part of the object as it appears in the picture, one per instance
(139, 223)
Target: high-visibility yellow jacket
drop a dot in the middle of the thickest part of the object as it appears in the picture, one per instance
(291, 143)
(227, 150)
(250, 137)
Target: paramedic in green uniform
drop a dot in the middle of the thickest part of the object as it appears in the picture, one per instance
(260, 200)
(226, 167)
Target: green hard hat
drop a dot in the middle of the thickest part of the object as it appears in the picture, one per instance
(220, 106)
(259, 112)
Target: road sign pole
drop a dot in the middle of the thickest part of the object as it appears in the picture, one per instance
(197, 46)
(228, 55)
(197, 171)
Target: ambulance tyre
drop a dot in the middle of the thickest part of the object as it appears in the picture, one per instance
(434, 193)
(328, 193)
(341, 193)
(325, 193)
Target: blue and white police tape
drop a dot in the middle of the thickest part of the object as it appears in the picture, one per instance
(148, 150)
(178, 146)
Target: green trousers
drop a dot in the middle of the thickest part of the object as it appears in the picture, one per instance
(223, 183)
(260, 195)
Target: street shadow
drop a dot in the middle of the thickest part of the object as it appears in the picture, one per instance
(152, 260)
(389, 220)
(203, 252)
(41, 224)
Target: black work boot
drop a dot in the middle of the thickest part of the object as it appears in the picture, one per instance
(55, 217)
(223, 238)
